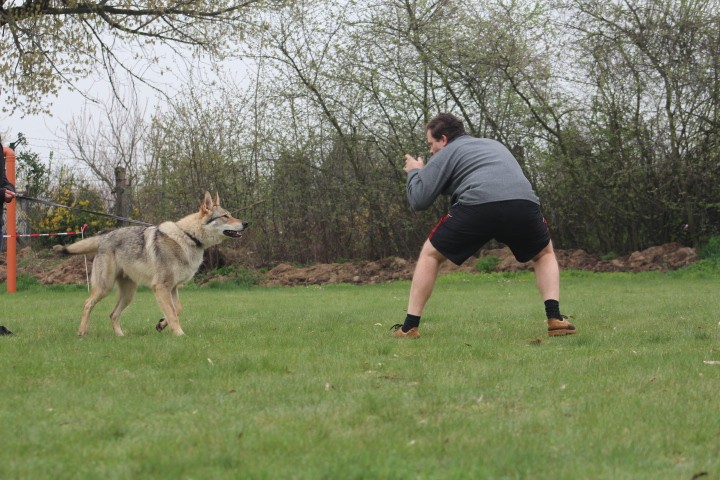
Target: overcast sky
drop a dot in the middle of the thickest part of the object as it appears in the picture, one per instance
(46, 133)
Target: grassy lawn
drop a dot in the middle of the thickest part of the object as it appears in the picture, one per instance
(307, 383)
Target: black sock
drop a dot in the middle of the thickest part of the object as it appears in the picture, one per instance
(411, 321)
(552, 309)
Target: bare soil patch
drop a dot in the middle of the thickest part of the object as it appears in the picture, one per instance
(665, 257)
(50, 269)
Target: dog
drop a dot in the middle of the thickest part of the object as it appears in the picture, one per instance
(162, 257)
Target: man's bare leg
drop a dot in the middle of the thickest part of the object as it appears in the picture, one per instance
(423, 282)
(547, 278)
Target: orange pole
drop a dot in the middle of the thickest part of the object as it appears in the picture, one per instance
(11, 218)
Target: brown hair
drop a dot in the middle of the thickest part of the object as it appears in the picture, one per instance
(445, 124)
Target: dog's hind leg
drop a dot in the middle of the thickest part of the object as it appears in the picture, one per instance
(126, 292)
(102, 280)
(161, 324)
(164, 297)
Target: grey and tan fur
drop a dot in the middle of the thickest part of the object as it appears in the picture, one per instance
(162, 257)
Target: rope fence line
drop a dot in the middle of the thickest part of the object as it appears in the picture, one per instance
(81, 233)
(33, 235)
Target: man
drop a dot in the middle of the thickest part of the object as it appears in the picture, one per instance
(7, 193)
(491, 198)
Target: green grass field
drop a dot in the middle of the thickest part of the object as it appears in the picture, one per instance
(306, 383)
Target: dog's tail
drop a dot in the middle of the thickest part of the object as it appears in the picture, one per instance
(88, 246)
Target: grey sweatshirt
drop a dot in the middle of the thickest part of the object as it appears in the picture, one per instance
(472, 171)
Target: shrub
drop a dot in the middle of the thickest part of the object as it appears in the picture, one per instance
(711, 250)
(234, 277)
(609, 256)
(487, 264)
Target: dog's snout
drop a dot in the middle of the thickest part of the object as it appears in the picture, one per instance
(245, 225)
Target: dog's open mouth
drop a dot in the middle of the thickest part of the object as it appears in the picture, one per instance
(232, 233)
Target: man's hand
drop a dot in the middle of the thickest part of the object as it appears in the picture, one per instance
(412, 163)
(9, 195)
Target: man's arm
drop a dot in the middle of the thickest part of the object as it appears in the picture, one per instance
(425, 183)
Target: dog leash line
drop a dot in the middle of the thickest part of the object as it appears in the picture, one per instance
(107, 215)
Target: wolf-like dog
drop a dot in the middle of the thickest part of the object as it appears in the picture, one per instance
(162, 257)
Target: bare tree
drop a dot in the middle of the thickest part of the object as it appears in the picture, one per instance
(48, 44)
(652, 122)
(114, 141)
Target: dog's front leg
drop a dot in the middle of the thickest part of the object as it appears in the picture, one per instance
(178, 308)
(163, 296)
(176, 302)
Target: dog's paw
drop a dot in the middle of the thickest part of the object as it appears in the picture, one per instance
(161, 325)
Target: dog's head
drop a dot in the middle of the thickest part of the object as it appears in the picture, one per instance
(218, 221)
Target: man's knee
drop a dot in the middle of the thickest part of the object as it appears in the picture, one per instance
(429, 251)
(548, 250)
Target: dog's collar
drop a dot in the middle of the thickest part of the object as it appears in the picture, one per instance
(192, 237)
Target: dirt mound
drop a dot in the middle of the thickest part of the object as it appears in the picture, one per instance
(71, 270)
(49, 269)
(385, 270)
(670, 256)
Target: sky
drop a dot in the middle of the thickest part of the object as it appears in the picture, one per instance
(46, 133)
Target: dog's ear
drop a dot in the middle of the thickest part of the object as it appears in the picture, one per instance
(206, 204)
(217, 200)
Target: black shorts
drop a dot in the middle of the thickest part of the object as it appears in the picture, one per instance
(519, 224)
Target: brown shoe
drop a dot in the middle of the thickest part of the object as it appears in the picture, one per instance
(398, 333)
(560, 326)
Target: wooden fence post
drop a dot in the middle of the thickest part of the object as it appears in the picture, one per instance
(122, 196)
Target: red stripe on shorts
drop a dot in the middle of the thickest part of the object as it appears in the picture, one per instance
(442, 220)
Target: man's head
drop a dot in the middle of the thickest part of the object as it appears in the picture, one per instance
(443, 129)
